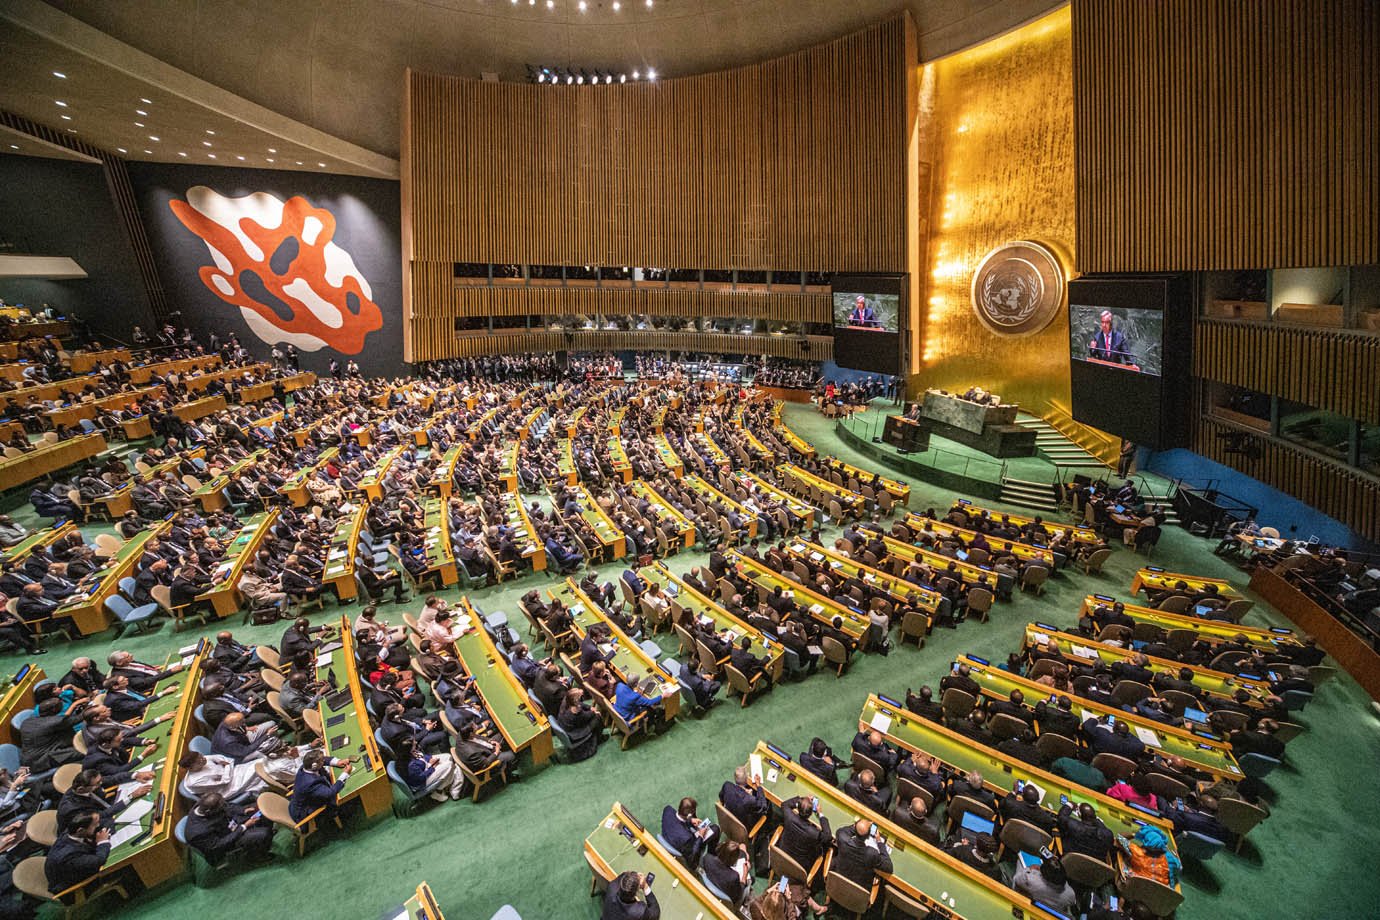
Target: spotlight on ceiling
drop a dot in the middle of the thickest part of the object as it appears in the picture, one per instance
(622, 78)
(651, 73)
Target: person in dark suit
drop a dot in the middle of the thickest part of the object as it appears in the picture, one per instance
(1013, 706)
(858, 856)
(218, 830)
(1081, 831)
(84, 676)
(590, 651)
(687, 832)
(1025, 806)
(478, 755)
(924, 706)
(1135, 668)
(746, 662)
(871, 745)
(115, 765)
(1108, 343)
(87, 794)
(621, 903)
(124, 703)
(702, 684)
(922, 770)
(801, 839)
(1116, 740)
(862, 786)
(820, 761)
(744, 799)
(972, 786)
(962, 680)
(15, 631)
(1261, 740)
(312, 787)
(142, 677)
(45, 740)
(234, 739)
(914, 816)
(78, 854)
(298, 638)
(33, 604)
(1058, 718)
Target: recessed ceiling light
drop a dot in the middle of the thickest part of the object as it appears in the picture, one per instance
(617, 6)
(67, 118)
(271, 160)
(550, 4)
(60, 75)
(583, 6)
(61, 103)
(138, 124)
(148, 151)
(322, 165)
(651, 73)
(140, 112)
(272, 149)
(209, 131)
(71, 130)
(637, 74)
(145, 101)
(211, 155)
(649, 4)
(122, 150)
(14, 146)
(182, 153)
(239, 158)
(299, 162)
(153, 138)
(205, 143)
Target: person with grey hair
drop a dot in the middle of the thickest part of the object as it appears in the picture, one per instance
(1108, 344)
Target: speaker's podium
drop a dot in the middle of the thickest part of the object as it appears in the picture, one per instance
(906, 434)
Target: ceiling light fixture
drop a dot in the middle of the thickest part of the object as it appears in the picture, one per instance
(583, 6)
(210, 132)
(239, 158)
(271, 160)
(272, 149)
(60, 75)
(71, 130)
(153, 138)
(138, 124)
(148, 151)
(622, 78)
(182, 153)
(14, 146)
(140, 112)
(299, 162)
(636, 75)
(649, 4)
(67, 118)
(322, 165)
(617, 6)
(205, 143)
(651, 73)
(122, 150)
(145, 101)
(211, 155)
(61, 103)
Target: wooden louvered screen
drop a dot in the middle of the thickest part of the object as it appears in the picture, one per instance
(1339, 491)
(1328, 369)
(470, 344)
(1226, 134)
(794, 164)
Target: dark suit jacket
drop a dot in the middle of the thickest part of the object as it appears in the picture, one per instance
(45, 742)
(747, 805)
(71, 861)
(857, 861)
(311, 791)
(1093, 839)
(802, 840)
(213, 837)
(617, 909)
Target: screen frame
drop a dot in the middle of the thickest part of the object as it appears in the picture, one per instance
(877, 351)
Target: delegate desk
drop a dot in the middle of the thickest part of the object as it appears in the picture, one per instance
(923, 872)
(713, 496)
(663, 510)
(421, 906)
(18, 697)
(523, 724)
(909, 732)
(85, 361)
(629, 661)
(572, 424)
(440, 556)
(150, 850)
(340, 555)
(1025, 552)
(763, 452)
(1076, 648)
(716, 454)
(926, 601)
(212, 494)
(371, 483)
(443, 479)
(804, 514)
(295, 489)
(972, 576)
(851, 502)
(199, 408)
(605, 531)
(900, 491)
(1211, 631)
(45, 537)
(669, 458)
(1203, 752)
(622, 844)
(47, 459)
(347, 731)
(86, 608)
(1153, 577)
(524, 534)
(565, 462)
(224, 595)
(685, 599)
(507, 467)
(823, 609)
(1080, 534)
(618, 459)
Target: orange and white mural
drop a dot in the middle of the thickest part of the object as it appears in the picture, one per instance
(276, 261)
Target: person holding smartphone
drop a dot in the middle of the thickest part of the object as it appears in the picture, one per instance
(630, 897)
(217, 830)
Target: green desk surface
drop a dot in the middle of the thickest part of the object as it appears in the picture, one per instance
(306, 472)
(658, 504)
(915, 865)
(565, 462)
(967, 573)
(701, 606)
(351, 737)
(820, 607)
(217, 483)
(846, 497)
(1212, 630)
(436, 525)
(794, 505)
(628, 659)
(595, 516)
(1000, 772)
(1215, 758)
(623, 848)
(498, 687)
(1043, 556)
(121, 561)
(340, 555)
(374, 475)
(515, 516)
(446, 469)
(709, 491)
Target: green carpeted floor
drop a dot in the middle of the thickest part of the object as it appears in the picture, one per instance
(1314, 857)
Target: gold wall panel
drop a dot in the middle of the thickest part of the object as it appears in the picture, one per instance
(1227, 134)
(997, 129)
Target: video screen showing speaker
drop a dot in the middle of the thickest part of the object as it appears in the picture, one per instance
(1120, 337)
(1125, 371)
(868, 314)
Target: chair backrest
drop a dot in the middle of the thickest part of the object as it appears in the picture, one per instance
(1022, 835)
(200, 743)
(1160, 899)
(1034, 575)
(1113, 766)
(41, 828)
(1239, 816)
(1054, 745)
(957, 703)
(782, 863)
(1167, 787)
(1095, 562)
(128, 586)
(268, 655)
(733, 829)
(1130, 692)
(963, 804)
(1086, 872)
(162, 595)
(20, 718)
(9, 758)
(1006, 726)
(833, 650)
(118, 606)
(1257, 766)
(980, 600)
(847, 893)
(30, 878)
(737, 680)
(1175, 604)
(863, 762)
(275, 809)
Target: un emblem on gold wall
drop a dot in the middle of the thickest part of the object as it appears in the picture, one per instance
(1018, 288)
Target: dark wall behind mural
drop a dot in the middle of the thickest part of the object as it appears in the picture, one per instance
(284, 274)
(63, 208)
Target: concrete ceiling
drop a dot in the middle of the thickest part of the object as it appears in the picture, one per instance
(336, 66)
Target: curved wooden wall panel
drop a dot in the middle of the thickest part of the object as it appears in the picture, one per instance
(466, 345)
(1226, 134)
(1339, 491)
(1328, 369)
(457, 301)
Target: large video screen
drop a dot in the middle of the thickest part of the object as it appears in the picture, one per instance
(871, 312)
(868, 318)
(1124, 338)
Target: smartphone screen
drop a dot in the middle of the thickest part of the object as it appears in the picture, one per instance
(651, 877)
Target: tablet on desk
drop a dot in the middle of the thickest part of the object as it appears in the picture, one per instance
(339, 741)
(976, 823)
(339, 700)
(1195, 715)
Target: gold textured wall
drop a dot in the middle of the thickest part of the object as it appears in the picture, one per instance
(997, 132)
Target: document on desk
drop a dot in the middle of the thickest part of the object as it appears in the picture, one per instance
(1147, 736)
(127, 832)
(136, 810)
(881, 722)
(755, 766)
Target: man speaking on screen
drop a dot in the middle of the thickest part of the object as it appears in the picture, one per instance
(1109, 344)
(862, 314)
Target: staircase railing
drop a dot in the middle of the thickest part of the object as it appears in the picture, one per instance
(1103, 447)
